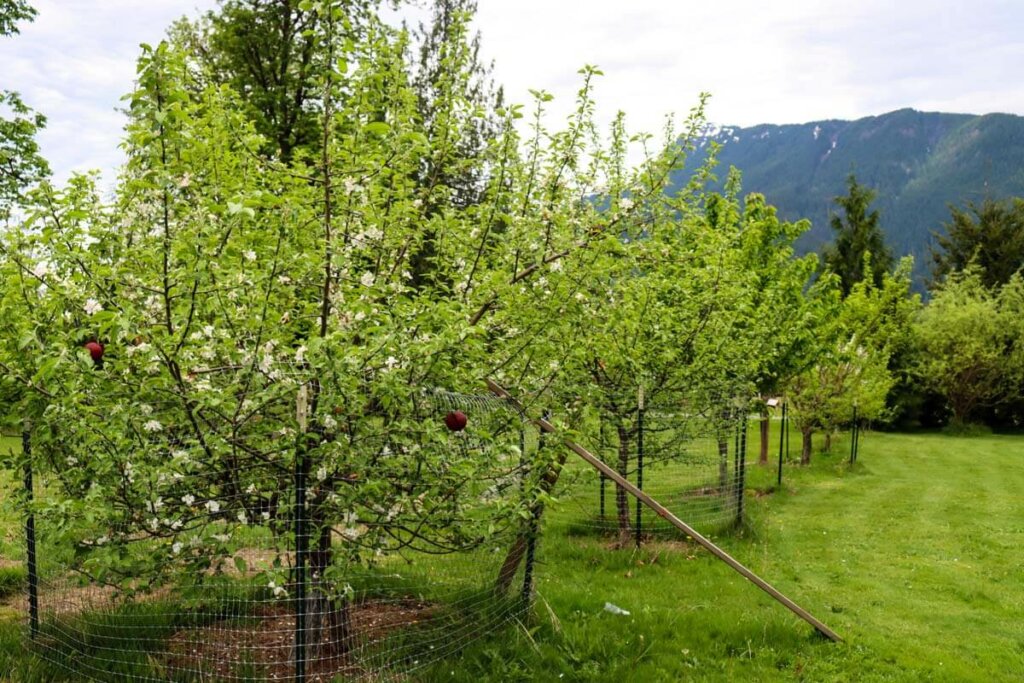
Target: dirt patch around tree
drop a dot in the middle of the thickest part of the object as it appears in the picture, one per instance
(263, 644)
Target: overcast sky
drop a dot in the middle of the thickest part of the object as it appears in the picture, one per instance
(787, 61)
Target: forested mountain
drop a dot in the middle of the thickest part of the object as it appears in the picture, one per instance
(919, 163)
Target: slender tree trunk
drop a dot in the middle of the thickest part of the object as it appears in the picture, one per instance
(621, 499)
(805, 452)
(515, 554)
(828, 441)
(723, 463)
(330, 626)
(762, 458)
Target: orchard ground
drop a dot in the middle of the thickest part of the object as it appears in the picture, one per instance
(912, 556)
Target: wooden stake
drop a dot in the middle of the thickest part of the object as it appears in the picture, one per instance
(663, 512)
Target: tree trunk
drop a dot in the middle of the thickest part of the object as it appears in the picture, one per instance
(828, 442)
(330, 619)
(621, 499)
(515, 554)
(723, 464)
(805, 452)
(762, 458)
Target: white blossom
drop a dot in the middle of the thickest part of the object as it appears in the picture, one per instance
(626, 203)
(213, 506)
(92, 307)
(250, 255)
(188, 499)
(176, 548)
(153, 426)
(367, 279)
(300, 354)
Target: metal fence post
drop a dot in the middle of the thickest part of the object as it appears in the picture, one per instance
(639, 461)
(782, 438)
(30, 533)
(301, 557)
(786, 429)
(856, 441)
(741, 474)
(853, 437)
(604, 479)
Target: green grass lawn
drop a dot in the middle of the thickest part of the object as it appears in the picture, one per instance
(912, 556)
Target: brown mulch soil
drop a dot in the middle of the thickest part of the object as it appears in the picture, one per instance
(265, 643)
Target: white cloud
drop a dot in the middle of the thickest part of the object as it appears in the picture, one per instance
(780, 62)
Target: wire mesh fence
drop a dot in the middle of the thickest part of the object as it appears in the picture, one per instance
(687, 452)
(230, 576)
(303, 567)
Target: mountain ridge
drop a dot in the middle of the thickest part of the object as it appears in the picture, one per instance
(918, 162)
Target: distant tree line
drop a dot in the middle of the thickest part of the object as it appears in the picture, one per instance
(961, 358)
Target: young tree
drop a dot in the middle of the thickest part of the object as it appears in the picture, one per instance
(989, 237)
(778, 329)
(857, 233)
(858, 336)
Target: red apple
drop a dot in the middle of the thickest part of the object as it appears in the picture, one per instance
(95, 350)
(456, 420)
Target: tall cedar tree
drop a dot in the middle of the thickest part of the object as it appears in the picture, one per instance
(858, 231)
(20, 162)
(439, 41)
(265, 50)
(989, 236)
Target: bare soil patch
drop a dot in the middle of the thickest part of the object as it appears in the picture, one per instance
(265, 643)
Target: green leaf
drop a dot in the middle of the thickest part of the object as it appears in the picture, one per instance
(377, 128)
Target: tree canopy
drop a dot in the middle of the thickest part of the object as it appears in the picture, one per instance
(988, 237)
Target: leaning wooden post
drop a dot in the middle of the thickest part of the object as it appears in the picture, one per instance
(663, 512)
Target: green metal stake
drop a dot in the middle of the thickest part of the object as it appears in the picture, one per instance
(853, 438)
(301, 556)
(639, 461)
(782, 438)
(30, 534)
